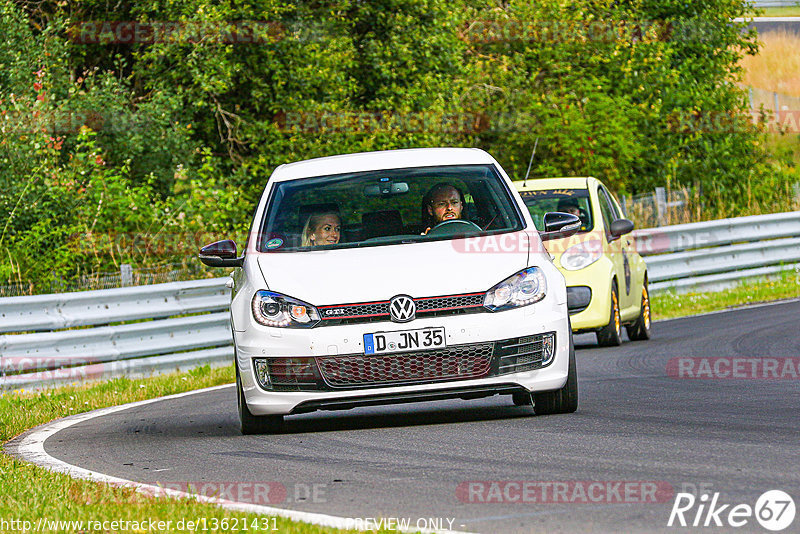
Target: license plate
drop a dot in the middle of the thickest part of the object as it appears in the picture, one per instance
(386, 342)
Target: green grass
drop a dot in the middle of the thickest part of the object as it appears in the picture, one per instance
(30, 492)
(670, 305)
(778, 12)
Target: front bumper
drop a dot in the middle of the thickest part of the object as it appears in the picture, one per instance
(346, 342)
(594, 314)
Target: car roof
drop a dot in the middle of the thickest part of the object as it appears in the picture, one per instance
(571, 182)
(381, 160)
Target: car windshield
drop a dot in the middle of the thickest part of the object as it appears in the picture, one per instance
(574, 201)
(387, 207)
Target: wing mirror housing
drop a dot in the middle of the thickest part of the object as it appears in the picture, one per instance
(558, 224)
(620, 227)
(221, 254)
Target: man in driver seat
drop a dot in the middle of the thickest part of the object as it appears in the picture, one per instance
(443, 202)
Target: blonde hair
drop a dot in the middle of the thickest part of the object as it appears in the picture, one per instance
(312, 225)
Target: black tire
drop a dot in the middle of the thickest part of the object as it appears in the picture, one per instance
(522, 399)
(564, 400)
(640, 329)
(255, 424)
(611, 334)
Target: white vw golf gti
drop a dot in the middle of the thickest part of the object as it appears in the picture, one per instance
(396, 276)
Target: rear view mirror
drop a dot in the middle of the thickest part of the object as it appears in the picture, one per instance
(221, 254)
(386, 189)
(558, 225)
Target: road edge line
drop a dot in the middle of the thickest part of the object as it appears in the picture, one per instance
(29, 446)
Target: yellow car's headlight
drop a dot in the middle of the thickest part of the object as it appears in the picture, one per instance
(582, 255)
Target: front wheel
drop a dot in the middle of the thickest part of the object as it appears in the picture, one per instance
(640, 330)
(254, 424)
(611, 334)
(564, 400)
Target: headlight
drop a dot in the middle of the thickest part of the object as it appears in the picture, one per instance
(525, 287)
(582, 255)
(274, 309)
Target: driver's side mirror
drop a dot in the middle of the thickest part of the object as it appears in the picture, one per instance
(620, 227)
(558, 224)
(221, 254)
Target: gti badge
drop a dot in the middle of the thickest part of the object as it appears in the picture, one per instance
(402, 309)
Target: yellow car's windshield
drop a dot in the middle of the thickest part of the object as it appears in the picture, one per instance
(574, 201)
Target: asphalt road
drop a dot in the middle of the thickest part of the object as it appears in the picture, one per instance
(635, 425)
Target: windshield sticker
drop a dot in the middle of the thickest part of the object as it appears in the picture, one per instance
(564, 192)
(274, 243)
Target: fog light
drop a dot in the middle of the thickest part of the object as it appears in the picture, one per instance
(548, 347)
(262, 372)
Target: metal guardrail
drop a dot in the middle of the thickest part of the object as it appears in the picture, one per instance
(713, 255)
(775, 3)
(52, 348)
(66, 310)
(72, 337)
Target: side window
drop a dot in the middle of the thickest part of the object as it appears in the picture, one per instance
(614, 209)
(606, 209)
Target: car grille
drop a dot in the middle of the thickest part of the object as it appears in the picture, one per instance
(524, 354)
(366, 312)
(458, 362)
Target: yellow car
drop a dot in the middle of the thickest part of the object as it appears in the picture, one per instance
(606, 277)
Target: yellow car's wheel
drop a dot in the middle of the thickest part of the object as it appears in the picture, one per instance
(640, 330)
(611, 334)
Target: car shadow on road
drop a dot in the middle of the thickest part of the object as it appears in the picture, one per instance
(412, 414)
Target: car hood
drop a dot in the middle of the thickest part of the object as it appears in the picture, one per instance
(379, 273)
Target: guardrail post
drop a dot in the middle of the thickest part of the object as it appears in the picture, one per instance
(126, 274)
(661, 204)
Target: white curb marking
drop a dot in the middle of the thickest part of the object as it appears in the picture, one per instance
(31, 449)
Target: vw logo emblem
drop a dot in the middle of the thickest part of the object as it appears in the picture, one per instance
(402, 309)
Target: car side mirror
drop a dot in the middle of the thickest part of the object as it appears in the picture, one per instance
(221, 254)
(621, 227)
(558, 224)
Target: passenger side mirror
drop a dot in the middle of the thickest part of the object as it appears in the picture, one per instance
(621, 227)
(221, 254)
(558, 224)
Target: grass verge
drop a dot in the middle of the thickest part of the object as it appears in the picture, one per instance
(32, 493)
(670, 305)
(791, 11)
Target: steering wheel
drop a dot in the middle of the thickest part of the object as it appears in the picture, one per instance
(453, 226)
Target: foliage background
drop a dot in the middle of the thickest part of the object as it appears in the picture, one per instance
(116, 152)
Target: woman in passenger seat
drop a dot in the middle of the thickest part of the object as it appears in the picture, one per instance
(322, 229)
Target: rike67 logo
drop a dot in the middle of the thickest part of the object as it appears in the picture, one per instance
(774, 510)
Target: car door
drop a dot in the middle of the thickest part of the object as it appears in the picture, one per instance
(612, 247)
(621, 247)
